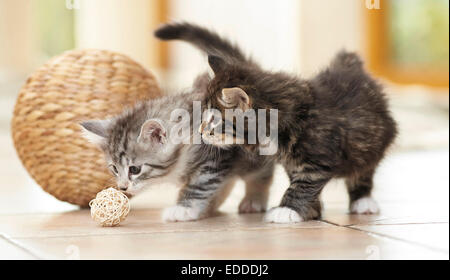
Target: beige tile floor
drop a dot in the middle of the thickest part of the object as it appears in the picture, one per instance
(412, 189)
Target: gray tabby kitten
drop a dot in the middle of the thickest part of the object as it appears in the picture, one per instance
(139, 153)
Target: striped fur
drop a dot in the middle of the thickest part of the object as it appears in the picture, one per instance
(205, 172)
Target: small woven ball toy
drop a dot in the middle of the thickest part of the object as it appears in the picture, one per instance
(109, 207)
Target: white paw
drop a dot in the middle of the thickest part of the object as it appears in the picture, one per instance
(248, 205)
(282, 215)
(179, 213)
(364, 205)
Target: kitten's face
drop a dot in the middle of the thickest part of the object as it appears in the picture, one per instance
(228, 90)
(137, 156)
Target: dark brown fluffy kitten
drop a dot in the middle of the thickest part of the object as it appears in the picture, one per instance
(334, 125)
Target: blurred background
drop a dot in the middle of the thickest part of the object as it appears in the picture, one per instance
(405, 43)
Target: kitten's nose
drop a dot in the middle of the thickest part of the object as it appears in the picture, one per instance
(123, 188)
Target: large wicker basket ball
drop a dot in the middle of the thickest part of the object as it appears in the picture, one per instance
(75, 86)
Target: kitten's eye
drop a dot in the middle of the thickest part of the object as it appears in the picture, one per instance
(114, 170)
(134, 170)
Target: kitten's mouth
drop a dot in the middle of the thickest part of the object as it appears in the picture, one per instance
(128, 194)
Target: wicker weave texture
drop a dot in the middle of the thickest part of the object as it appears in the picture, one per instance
(75, 86)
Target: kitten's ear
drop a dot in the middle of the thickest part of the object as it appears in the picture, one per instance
(216, 63)
(96, 131)
(152, 132)
(234, 98)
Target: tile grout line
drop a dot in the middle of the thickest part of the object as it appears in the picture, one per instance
(397, 224)
(44, 213)
(377, 223)
(19, 246)
(351, 227)
(165, 232)
(331, 223)
(432, 248)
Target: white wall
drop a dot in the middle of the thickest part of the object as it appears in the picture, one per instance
(268, 30)
(294, 35)
(118, 25)
(328, 26)
(300, 36)
(17, 53)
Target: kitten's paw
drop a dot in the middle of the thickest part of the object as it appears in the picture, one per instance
(179, 213)
(282, 215)
(249, 205)
(364, 205)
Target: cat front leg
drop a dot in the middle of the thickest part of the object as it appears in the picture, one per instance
(301, 200)
(180, 213)
(201, 196)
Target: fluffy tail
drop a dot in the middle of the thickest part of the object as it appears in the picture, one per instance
(347, 60)
(202, 38)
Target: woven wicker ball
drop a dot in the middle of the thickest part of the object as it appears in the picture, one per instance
(75, 86)
(109, 207)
